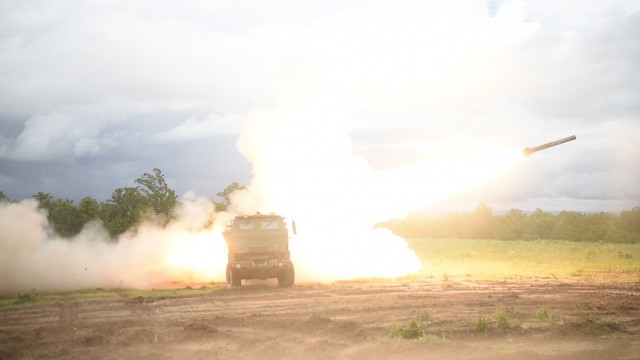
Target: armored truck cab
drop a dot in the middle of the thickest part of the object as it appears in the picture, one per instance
(258, 249)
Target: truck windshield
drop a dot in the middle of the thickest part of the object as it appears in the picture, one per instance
(270, 225)
(246, 226)
(262, 224)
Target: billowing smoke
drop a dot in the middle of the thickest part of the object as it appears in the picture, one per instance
(33, 257)
(303, 168)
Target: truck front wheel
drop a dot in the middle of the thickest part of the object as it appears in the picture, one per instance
(287, 277)
(233, 279)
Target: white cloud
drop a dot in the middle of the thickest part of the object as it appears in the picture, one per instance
(212, 126)
(56, 135)
(414, 76)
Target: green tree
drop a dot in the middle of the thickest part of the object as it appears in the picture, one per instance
(226, 196)
(540, 225)
(123, 210)
(89, 209)
(605, 227)
(571, 226)
(4, 197)
(64, 217)
(483, 225)
(45, 200)
(631, 219)
(512, 225)
(159, 196)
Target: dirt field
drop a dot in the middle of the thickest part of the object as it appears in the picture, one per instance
(345, 320)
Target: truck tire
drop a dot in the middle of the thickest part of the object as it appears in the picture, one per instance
(232, 278)
(287, 277)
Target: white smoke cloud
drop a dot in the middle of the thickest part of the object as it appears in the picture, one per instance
(304, 169)
(33, 257)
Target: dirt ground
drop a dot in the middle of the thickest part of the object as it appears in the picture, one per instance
(344, 320)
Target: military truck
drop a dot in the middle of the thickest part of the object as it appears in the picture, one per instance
(258, 249)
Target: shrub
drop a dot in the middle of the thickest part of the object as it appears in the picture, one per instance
(542, 314)
(25, 297)
(481, 324)
(502, 319)
(416, 328)
(423, 316)
(624, 255)
(412, 330)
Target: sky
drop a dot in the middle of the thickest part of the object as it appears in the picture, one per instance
(95, 93)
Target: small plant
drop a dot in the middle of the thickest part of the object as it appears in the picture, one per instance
(624, 255)
(543, 315)
(25, 297)
(481, 325)
(502, 319)
(414, 329)
(430, 338)
(577, 272)
(446, 281)
(423, 316)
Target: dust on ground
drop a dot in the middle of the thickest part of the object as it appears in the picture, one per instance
(546, 319)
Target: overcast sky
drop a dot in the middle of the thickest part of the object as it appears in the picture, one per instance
(95, 93)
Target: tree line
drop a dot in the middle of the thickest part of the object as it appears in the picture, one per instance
(518, 225)
(150, 198)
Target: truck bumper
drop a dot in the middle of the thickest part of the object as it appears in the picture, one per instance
(248, 270)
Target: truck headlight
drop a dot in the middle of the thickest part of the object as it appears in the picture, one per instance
(280, 263)
(238, 266)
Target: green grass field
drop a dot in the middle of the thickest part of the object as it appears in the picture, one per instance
(455, 259)
(448, 260)
(102, 294)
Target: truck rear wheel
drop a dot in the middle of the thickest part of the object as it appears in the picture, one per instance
(287, 277)
(232, 278)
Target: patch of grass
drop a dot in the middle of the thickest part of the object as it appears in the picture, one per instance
(592, 326)
(543, 315)
(430, 338)
(502, 320)
(446, 281)
(612, 324)
(481, 324)
(25, 297)
(99, 294)
(500, 259)
(578, 272)
(624, 255)
(416, 328)
(423, 316)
